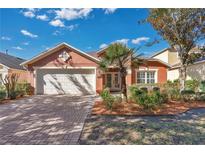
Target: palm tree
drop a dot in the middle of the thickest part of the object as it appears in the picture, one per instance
(120, 56)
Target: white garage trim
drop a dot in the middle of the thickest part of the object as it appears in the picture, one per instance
(61, 69)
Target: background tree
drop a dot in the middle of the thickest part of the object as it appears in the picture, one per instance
(120, 56)
(183, 29)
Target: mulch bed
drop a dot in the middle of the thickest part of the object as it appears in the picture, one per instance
(130, 108)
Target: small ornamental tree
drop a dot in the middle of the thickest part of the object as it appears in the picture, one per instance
(10, 82)
(120, 56)
(183, 29)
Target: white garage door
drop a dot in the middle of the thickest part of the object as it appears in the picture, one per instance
(74, 82)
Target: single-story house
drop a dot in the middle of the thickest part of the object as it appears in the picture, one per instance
(65, 69)
(10, 64)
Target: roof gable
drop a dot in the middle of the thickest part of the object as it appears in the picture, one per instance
(55, 49)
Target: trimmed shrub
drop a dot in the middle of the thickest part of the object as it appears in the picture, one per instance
(174, 94)
(192, 85)
(172, 89)
(156, 89)
(23, 89)
(172, 85)
(144, 89)
(149, 101)
(187, 92)
(188, 95)
(2, 92)
(13, 95)
(200, 96)
(108, 99)
(202, 86)
(134, 92)
(164, 97)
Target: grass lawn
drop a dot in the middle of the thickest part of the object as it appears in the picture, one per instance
(186, 128)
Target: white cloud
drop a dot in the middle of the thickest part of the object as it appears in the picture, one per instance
(5, 38)
(139, 40)
(32, 9)
(30, 12)
(43, 17)
(71, 14)
(51, 11)
(103, 46)
(17, 48)
(109, 10)
(72, 27)
(27, 33)
(57, 23)
(123, 41)
(56, 33)
(25, 43)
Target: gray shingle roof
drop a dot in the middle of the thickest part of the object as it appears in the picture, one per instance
(11, 61)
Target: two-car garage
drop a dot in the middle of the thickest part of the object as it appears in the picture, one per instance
(72, 82)
(64, 69)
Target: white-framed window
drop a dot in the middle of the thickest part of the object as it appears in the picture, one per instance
(146, 77)
(141, 77)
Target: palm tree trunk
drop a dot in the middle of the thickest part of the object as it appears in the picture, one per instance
(123, 84)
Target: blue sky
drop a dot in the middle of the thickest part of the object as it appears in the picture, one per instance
(27, 32)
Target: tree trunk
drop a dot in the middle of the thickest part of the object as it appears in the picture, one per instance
(182, 77)
(123, 84)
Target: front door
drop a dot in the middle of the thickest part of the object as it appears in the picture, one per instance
(113, 81)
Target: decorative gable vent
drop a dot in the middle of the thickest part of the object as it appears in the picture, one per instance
(64, 56)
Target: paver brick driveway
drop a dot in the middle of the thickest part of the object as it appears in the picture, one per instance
(44, 119)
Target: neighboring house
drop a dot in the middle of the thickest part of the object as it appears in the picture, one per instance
(194, 71)
(10, 64)
(67, 70)
(167, 55)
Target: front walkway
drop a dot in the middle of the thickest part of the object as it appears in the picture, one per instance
(44, 119)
